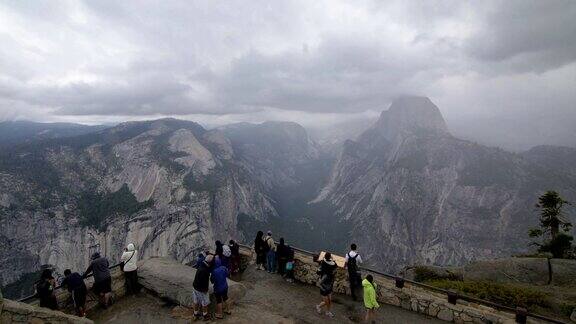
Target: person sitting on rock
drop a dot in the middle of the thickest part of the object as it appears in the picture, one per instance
(326, 272)
(219, 279)
(201, 283)
(45, 290)
(77, 288)
(102, 280)
(370, 301)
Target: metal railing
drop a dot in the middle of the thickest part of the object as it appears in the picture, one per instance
(34, 296)
(452, 296)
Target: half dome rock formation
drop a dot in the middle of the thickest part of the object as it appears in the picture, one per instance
(413, 193)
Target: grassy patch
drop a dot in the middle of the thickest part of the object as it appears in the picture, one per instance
(425, 274)
(505, 294)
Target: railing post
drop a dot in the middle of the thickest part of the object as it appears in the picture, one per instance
(452, 297)
(399, 282)
(521, 315)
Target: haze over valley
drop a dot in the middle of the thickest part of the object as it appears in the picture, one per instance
(422, 131)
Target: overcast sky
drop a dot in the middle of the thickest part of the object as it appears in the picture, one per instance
(315, 62)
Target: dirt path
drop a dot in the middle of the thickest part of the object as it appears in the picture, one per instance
(269, 299)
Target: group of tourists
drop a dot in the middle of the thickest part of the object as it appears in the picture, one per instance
(272, 257)
(327, 274)
(279, 258)
(214, 268)
(74, 282)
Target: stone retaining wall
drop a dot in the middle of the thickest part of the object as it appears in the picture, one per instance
(410, 297)
(30, 312)
(65, 300)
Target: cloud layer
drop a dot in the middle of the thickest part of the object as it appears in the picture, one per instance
(96, 61)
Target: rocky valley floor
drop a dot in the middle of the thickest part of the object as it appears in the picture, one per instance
(269, 300)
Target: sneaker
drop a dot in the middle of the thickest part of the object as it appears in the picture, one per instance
(197, 316)
(318, 309)
(207, 317)
(329, 314)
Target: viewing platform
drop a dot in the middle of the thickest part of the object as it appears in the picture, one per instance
(261, 297)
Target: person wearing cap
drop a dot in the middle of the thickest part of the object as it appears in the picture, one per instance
(201, 284)
(271, 255)
(102, 286)
(45, 290)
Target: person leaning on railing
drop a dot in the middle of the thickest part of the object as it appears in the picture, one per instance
(102, 279)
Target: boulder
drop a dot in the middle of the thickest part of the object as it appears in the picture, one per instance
(17, 312)
(510, 270)
(172, 280)
(563, 272)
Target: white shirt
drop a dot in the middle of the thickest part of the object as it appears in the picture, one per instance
(352, 254)
(130, 263)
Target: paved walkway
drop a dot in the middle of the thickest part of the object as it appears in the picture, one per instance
(269, 299)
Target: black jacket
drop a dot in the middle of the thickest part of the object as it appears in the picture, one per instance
(202, 278)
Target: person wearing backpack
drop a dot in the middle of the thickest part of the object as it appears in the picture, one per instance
(271, 254)
(370, 301)
(128, 263)
(353, 260)
(327, 275)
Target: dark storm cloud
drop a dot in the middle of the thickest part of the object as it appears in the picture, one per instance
(526, 35)
(84, 60)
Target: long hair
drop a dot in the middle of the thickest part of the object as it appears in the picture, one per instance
(259, 235)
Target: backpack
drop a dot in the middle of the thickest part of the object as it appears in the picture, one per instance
(352, 265)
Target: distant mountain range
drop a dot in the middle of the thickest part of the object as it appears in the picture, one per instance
(406, 190)
(17, 132)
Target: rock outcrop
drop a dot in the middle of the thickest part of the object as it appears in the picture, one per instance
(414, 194)
(15, 312)
(173, 281)
(168, 186)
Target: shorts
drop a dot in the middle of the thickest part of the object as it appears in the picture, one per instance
(79, 297)
(103, 287)
(201, 298)
(221, 297)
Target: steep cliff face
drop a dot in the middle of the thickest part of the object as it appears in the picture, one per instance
(415, 194)
(169, 186)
